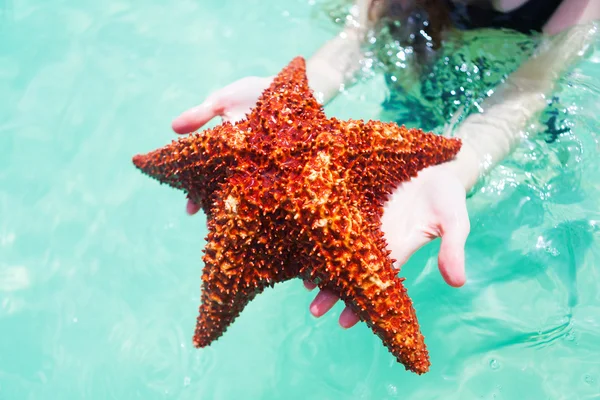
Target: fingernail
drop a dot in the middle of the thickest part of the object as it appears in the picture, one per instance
(314, 310)
(314, 307)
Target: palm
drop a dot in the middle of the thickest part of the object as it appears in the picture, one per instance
(429, 206)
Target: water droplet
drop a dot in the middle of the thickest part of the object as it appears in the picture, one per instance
(588, 379)
(186, 381)
(75, 320)
(494, 364)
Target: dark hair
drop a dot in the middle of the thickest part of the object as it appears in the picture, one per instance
(418, 24)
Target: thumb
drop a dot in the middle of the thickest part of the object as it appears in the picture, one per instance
(451, 258)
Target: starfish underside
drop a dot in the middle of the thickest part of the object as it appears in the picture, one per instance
(291, 193)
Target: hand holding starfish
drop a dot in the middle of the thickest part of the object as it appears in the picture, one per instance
(436, 198)
(231, 103)
(437, 203)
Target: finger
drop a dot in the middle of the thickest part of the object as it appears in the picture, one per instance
(309, 285)
(194, 118)
(323, 302)
(451, 258)
(402, 232)
(348, 318)
(191, 207)
(451, 261)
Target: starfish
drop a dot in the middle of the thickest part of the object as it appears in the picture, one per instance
(289, 193)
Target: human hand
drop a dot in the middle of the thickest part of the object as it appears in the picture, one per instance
(231, 103)
(431, 205)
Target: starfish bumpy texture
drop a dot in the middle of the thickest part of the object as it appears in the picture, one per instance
(291, 193)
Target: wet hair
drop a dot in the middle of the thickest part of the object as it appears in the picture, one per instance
(420, 25)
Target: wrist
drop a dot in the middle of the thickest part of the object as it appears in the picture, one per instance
(467, 166)
(486, 140)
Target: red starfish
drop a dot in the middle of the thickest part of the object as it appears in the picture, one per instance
(291, 193)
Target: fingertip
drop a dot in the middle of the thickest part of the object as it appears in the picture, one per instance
(180, 125)
(314, 310)
(451, 262)
(348, 318)
(192, 208)
(309, 285)
(456, 281)
(194, 118)
(322, 303)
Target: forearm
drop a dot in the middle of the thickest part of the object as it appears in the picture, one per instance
(490, 136)
(334, 64)
(337, 61)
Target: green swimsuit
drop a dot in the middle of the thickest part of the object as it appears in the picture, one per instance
(466, 70)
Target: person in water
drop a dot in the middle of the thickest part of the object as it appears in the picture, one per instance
(436, 198)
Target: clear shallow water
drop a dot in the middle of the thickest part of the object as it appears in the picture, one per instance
(100, 267)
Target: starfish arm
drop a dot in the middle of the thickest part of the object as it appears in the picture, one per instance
(343, 249)
(285, 111)
(379, 156)
(352, 261)
(196, 164)
(244, 255)
(376, 136)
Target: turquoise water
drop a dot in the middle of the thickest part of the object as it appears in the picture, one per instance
(100, 266)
